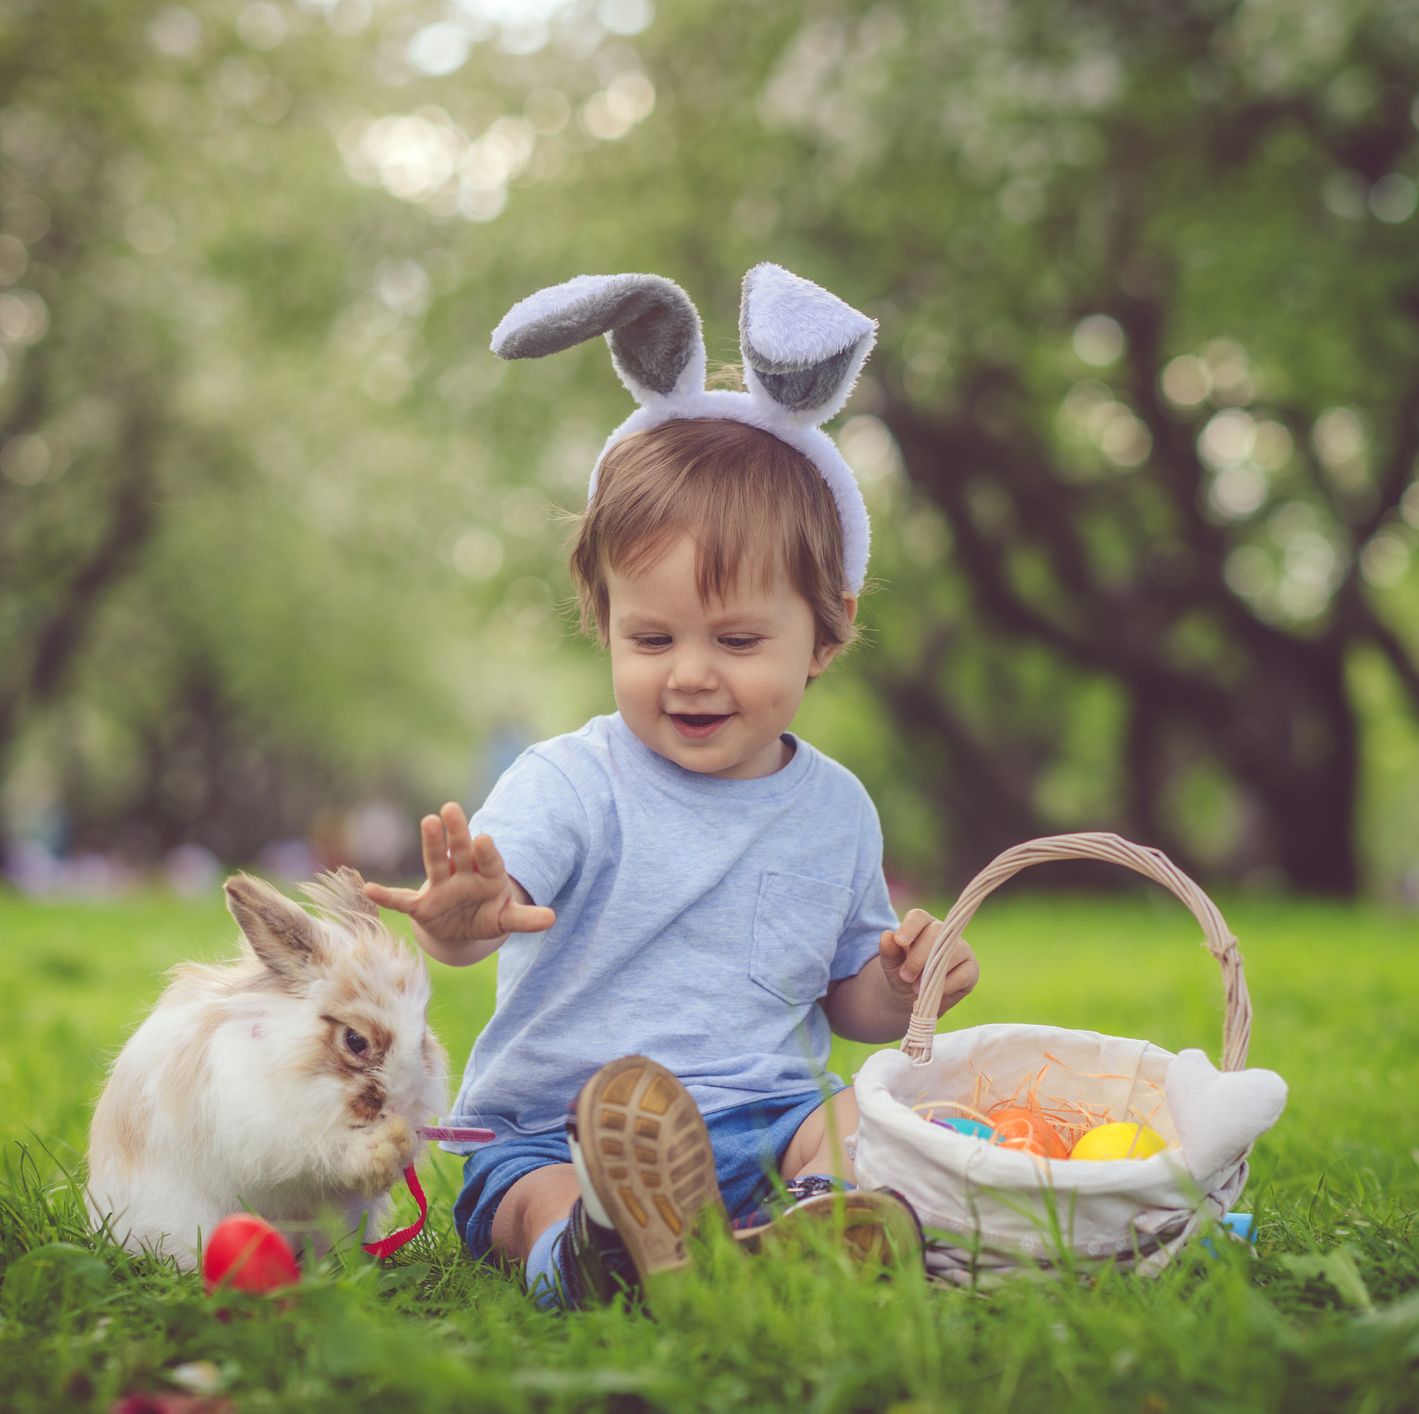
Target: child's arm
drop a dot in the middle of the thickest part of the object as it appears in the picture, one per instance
(876, 1004)
(469, 903)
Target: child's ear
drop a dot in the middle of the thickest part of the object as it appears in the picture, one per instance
(826, 652)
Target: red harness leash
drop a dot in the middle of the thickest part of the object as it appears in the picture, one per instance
(387, 1245)
(396, 1240)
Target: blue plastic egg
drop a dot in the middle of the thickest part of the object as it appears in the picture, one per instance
(971, 1128)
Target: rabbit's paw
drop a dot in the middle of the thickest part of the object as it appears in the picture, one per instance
(387, 1151)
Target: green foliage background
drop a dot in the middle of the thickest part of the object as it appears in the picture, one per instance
(278, 535)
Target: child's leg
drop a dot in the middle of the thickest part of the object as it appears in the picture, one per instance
(817, 1147)
(642, 1175)
(647, 1171)
(532, 1205)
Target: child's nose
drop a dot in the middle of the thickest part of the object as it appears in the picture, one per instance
(692, 670)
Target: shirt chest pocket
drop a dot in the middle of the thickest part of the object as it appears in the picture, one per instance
(797, 924)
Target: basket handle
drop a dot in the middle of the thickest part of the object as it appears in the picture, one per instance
(1152, 864)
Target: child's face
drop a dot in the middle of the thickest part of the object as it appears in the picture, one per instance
(710, 686)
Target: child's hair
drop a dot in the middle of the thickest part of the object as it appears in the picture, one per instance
(750, 501)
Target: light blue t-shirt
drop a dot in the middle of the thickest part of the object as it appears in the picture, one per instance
(699, 922)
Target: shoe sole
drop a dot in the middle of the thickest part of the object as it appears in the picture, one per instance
(646, 1153)
(874, 1228)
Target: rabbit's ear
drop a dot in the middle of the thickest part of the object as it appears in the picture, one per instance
(281, 933)
(802, 347)
(341, 890)
(653, 330)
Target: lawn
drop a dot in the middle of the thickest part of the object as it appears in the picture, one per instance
(1324, 1316)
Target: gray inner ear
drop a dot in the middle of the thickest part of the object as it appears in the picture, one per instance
(652, 337)
(799, 389)
(652, 327)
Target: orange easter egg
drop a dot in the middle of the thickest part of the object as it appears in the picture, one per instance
(1019, 1128)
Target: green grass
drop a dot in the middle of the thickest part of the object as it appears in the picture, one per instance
(1325, 1316)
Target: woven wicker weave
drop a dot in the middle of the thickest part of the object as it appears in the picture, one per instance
(1111, 849)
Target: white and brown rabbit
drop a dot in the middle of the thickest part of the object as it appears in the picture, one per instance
(290, 1081)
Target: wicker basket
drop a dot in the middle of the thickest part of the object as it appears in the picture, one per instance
(989, 1209)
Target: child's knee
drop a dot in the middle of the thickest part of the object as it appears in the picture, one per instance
(536, 1201)
(818, 1144)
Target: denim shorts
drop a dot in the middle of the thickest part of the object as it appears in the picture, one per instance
(748, 1142)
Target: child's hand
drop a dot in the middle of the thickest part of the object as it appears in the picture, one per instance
(904, 951)
(467, 898)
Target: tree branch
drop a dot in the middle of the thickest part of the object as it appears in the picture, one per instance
(37, 675)
(1106, 647)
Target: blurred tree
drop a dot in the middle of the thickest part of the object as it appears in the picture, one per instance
(78, 374)
(222, 520)
(1210, 519)
(1139, 440)
(1151, 319)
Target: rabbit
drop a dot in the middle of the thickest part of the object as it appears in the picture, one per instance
(290, 1081)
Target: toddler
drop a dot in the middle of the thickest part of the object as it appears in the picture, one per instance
(683, 879)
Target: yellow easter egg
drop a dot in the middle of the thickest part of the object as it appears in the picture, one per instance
(1119, 1141)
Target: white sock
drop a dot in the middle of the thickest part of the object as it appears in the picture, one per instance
(541, 1277)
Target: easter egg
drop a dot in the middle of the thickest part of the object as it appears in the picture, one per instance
(1019, 1128)
(245, 1253)
(971, 1128)
(1119, 1141)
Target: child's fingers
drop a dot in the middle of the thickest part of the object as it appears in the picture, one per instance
(910, 928)
(892, 952)
(527, 918)
(486, 858)
(920, 950)
(434, 840)
(460, 844)
(401, 900)
(962, 978)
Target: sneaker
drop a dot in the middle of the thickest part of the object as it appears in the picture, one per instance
(592, 1262)
(646, 1169)
(876, 1226)
(790, 1194)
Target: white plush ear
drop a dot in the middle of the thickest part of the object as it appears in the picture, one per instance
(802, 347)
(1220, 1114)
(653, 330)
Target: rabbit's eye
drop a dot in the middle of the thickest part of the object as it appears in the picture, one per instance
(354, 1042)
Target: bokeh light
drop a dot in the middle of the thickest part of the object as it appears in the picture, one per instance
(1098, 340)
(871, 450)
(1186, 380)
(1393, 198)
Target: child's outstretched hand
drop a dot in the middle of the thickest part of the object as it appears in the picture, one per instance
(468, 898)
(904, 951)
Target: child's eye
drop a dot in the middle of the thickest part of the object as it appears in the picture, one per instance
(740, 641)
(652, 640)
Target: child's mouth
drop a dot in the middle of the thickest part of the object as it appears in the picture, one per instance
(698, 725)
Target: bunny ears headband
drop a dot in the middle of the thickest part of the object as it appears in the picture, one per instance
(802, 349)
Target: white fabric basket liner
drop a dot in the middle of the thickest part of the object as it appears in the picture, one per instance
(1017, 1207)
(987, 1208)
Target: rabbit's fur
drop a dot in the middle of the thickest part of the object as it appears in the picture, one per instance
(289, 1081)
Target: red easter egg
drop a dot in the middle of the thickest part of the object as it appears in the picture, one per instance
(1019, 1128)
(245, 1253)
